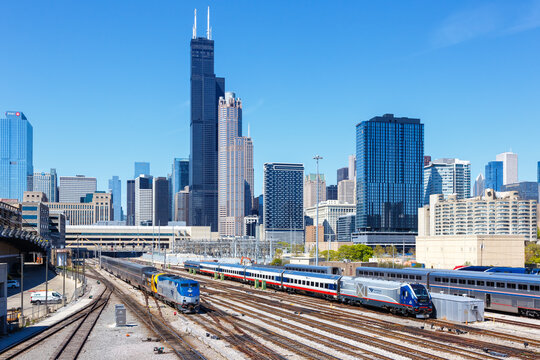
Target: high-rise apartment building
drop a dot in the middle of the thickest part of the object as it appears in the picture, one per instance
(206, 89)
(235, 168)
(479, 184)
(115, 188)
(46, 183)
(538, 172)
(494, 175)
(310, 190)
(447, 177)
(143, 200)
(179, 178)
(283, 202)
(390, 158)
(331, 192)
(141, 168)
(160, 201)
(347, 191)
(130, 202)
(342, 174)
(510, 167)
(16, 155)
(73, 188)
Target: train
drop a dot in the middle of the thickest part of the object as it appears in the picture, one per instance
(398, 297)
(506, 292)
(181, 293)
(500, 269)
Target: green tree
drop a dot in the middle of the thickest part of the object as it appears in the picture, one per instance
(391, 250)
(331, 255)
(297, 249)
(358, 252)
(532, 253)
(378, 251)
(276, 262)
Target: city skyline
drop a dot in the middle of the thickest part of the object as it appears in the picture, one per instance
(467, 110)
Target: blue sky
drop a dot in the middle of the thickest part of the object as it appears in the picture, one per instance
(106, 84)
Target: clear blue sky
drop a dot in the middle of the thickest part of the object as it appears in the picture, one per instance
(107, 83)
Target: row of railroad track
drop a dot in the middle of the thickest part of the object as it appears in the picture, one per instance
(338, 327)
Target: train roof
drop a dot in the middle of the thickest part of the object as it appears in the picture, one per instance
(261, 268)
(380, 282)
(314, 275)
(420, 271)
(178, 278)
(303, 266)
(492, 276)
(131, 264)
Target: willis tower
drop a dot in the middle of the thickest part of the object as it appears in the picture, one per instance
(206, 89)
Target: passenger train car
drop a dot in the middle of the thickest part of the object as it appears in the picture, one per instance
(512, 293)
(179, 292)
(397, 297)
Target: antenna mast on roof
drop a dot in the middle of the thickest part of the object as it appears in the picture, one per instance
(208, 28)
(195, 25)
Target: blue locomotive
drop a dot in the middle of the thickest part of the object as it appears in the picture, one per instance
(506, 292)
(407, 298)
(181, 293)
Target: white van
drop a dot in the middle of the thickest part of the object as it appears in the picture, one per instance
(38, 297)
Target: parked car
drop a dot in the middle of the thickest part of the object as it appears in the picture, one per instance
(38, 297)
(13, 284)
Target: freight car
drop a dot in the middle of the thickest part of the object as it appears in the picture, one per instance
(181, 293)
(511, 293)
(396, 297)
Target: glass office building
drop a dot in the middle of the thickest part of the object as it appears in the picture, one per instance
(447, 177)
(141, 168)
(494, 175)
(179, 178)
(46, 183)
(16, 155)
(115, 188)
(206, 89)
(390, 159)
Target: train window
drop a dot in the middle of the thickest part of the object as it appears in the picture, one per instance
(480, 283)
(399, 276)
(405, 276)
(444, 280)
(418, 277)
(535, 287)
(511, 286)
(312, 283)
(522, 286)
(453, 281)
(326, 286)
(371, 273)
(462, 281)
(490, 283)
(500, 285)
(470, 282)
(438, 279)
(393, 275)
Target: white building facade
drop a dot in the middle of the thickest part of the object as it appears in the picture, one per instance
(447, 177)
(510, 167)
(329, 212)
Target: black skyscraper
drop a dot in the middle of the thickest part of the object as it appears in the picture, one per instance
(206, 89)
(130, 197)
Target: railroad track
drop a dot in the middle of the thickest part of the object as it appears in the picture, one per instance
(91, 310)
(71, 347)
(414, 335)
(513, 322)
(161, 328)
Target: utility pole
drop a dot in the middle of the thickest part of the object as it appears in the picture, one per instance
(64, 283)
(22, 289)
(46, 285)
(84, 272)
(317, 158)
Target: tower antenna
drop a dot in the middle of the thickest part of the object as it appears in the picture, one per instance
(195, 25)
(208, 28)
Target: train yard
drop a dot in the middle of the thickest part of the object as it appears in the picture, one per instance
(237, 321)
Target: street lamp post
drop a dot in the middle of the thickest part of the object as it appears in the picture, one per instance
(317, 158)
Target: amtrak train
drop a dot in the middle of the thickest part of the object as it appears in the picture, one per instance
(395, 296)
(181, 293)
(511, 293)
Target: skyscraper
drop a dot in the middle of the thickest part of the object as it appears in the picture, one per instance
(538, 172)
(206, 89)
(346, 191)
(447, 177)
(73, 188)
(143, 200)
(510, 167)
(115, 188)
(160, 201)
(46, 183)
(130, 202)
(283, 202)
(310, 190)
(179, 178)
(479, 185)
(16, 155)
(390, 158)
(235, 168)
(141, 168)
(342, 174)
(352, 167)
(331, 192)
(494, 175)
(181, 201)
